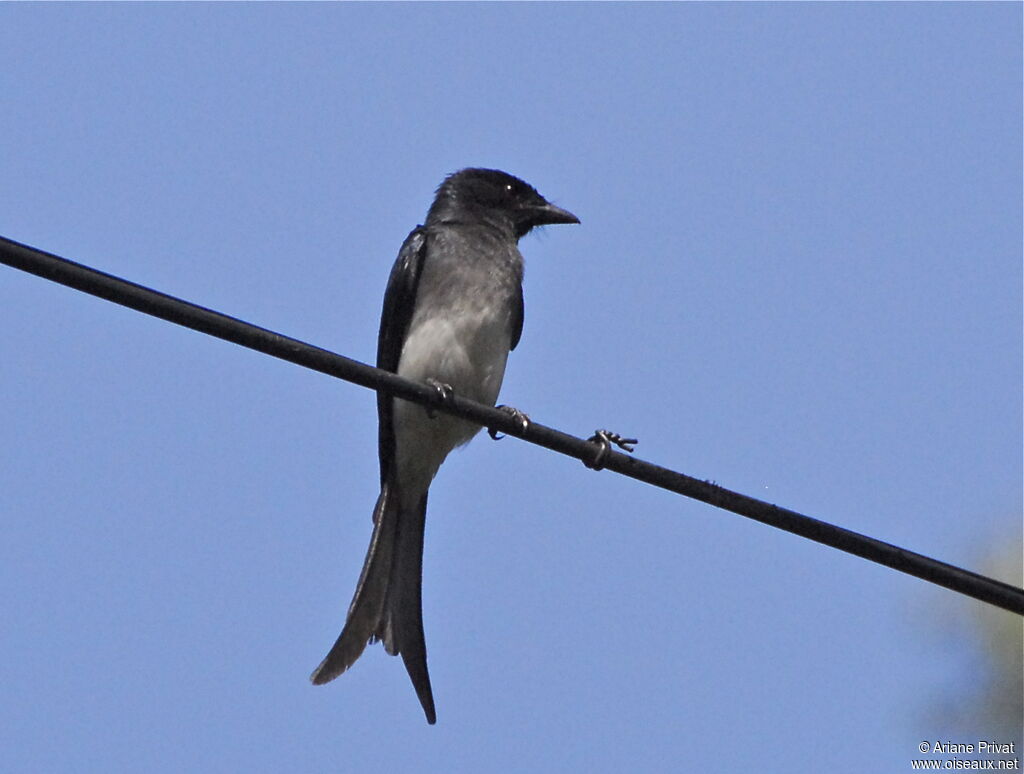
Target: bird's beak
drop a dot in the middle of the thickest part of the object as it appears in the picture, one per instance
(547, 213)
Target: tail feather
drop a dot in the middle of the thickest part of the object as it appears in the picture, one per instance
(366, 610)
(387, 603)
(402, 630)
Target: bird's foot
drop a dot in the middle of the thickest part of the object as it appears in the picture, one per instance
(444, 394)
(517, 415)
(604, 439)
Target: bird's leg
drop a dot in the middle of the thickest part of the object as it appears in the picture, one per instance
(517, 415)
(604, 439)
(444, 394)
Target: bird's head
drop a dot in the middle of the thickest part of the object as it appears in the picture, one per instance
(490, 195)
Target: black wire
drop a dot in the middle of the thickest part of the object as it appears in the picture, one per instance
(175, 310)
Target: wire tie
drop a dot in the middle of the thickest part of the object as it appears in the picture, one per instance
(604, 439)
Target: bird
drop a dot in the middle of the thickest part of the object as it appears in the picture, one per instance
(453, 310)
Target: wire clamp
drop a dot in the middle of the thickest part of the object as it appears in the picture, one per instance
(604, 439)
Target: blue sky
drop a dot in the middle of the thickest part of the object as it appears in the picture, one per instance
(798, 274)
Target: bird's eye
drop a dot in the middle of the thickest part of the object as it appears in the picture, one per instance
(508, 187)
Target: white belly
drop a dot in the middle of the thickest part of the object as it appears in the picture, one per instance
(466, 350)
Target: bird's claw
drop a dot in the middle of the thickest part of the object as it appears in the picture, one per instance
(517, 415)
(604, 439)
(444, 394)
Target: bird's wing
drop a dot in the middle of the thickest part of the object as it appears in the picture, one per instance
(517, 316)
(399, 301)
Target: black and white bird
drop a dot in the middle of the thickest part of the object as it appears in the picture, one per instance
(453, 310)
